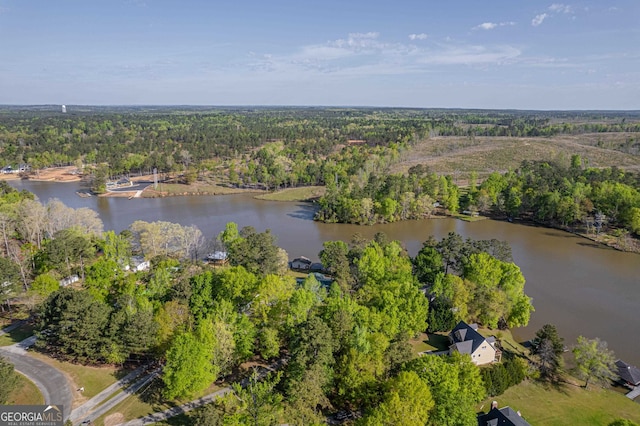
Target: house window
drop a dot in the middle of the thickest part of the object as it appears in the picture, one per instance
(484, 347)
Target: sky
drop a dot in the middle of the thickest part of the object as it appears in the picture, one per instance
(504, 54)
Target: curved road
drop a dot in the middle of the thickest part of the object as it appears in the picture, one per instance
(51, 382)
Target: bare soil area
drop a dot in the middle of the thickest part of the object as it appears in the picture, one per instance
(114, 419)
(444, 154)
(57, 174)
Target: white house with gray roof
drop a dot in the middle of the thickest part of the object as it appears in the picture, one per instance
(465, 339)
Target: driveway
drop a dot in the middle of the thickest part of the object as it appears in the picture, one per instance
(51, 382)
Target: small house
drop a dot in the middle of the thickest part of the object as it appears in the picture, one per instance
(301, 263)
(630, 374)
(465, 339)
(139, 264)
(501, 417)
(218, 257)
(69, 280)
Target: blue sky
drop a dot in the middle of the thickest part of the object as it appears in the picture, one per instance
(467, 54)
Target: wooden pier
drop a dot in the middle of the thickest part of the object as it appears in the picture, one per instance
(634, 393)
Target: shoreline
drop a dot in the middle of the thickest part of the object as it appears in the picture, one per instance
(626, 244)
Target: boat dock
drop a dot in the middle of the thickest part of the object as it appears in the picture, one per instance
(634, 393)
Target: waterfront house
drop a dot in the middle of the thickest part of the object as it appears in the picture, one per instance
(465, 339)
(630, 374)
(302, 263)
(501, 417)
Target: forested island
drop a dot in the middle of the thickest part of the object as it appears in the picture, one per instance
(352, 344)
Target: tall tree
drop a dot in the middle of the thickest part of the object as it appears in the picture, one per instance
(594, 361)
(407, 401)
(456, 386)
(549, 346)
(189, 367)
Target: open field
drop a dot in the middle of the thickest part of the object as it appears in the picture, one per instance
(26, 393)
(303, 193)
(93, 379)
(566, 404)
(457, 154)
(198, 188)
(57, 174)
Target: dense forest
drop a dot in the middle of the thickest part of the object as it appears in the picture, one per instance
(350, 151)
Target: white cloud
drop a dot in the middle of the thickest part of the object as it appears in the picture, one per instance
(473, 55)
(486, 26)
(560, 8)
(421, 36)
(491, 25)
(538, 19)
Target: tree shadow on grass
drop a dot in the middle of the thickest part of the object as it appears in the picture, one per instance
(152, 395)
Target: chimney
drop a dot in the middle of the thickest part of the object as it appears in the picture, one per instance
(494, 404)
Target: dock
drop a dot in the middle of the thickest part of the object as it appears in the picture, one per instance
(635, 392)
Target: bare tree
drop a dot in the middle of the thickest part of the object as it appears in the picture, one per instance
(32, 221)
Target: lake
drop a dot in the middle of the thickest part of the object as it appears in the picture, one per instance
(581, 287)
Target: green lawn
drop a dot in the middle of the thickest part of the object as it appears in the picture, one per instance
(147, 402)
(506, 339)
(16, 335)
(568, 404)
(303, 193)
(429, 342)
(93, 379)
(468, 218)
(26, 393)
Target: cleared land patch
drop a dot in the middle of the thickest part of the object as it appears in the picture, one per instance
(456, 154)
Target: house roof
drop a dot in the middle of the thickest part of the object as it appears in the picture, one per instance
(466, 338)
(501, 417)
(302, 259)
(217, 255)
(628, 373)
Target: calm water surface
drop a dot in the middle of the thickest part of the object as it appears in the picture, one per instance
(582, 288)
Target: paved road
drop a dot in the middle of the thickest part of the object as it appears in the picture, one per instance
(82, 411)
(184, 408)
(175, 411)
(51, 382)
(108, 405)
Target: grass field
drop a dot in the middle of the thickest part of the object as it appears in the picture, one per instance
(198, 188)
(567, 404)
(16, 335)
(26, 393)
(93, 379)
(303, 193)
(146, 402)
(460, 155)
